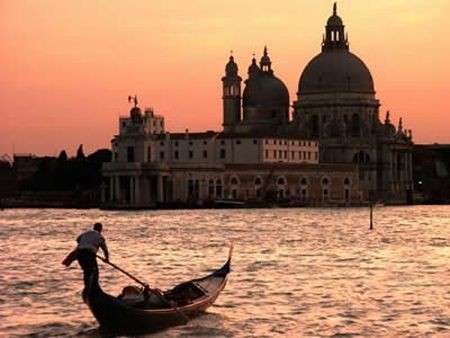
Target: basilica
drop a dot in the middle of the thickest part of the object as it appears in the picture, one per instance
(327, 147)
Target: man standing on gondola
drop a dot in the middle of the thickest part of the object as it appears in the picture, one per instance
(88, 244)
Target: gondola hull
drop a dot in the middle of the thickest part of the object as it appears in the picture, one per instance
(114, 315)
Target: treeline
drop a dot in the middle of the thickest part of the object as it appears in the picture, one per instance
(79, 173)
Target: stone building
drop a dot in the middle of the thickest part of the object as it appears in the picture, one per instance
(331, 149)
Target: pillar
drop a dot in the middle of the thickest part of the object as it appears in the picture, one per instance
(117, 187)
(111, 188)
(160, 189)
(137, 190)
(131, 187)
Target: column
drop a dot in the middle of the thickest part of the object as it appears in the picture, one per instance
(111, 188)
(160, 189)
(117, 187)
(137, 191)
(103, 192)
(131, 187)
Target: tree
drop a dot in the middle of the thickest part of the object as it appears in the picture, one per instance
(62, 157)
(80, 153)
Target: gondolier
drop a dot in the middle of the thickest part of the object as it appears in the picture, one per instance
(88, 244)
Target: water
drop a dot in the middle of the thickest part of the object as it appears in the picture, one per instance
(296, 272)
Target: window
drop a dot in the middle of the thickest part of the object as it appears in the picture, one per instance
(347, 195)
(255, 141)
(161, 143)
(176, 143)
(130, 154)
(191, 154)
(303, 181)
(304, 155)
(190, 143)
(258, 181)
(309, 155)
(205, 154)
(175, 155)
(285, 154)
(346, 181)
(234, 181)
(222, 153)
(267, 153)
(316, 155)
(222, 142)
(274, 154)
(281, 181)
(267, 142)
(161, 155)
(204, 142)
(309, 144)
(325, 181)
(280, 154)
(299, 155)
(293, 155)
(238, 141)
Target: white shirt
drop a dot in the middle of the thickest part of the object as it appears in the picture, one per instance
(91, 240)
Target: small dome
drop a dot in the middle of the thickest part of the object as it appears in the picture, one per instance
(136, 114)
(253, 69)
(336, 71)
(265, 90)
(231, 68)
(335, 20)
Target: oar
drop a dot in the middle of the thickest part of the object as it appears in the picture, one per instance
(146, 287)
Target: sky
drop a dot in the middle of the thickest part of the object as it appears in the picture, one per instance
(67, 67)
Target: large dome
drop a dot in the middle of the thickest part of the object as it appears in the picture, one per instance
(265, 90)
(336, 71)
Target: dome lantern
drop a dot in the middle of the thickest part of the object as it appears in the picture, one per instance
(335, 37)
(231, 69)
(265, 63)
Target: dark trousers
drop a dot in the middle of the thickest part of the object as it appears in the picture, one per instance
(88, 262)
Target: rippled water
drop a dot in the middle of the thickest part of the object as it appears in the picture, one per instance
(296, 272)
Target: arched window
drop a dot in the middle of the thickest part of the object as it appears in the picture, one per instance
(355, 125)
(234, 181)
(281, 181)
(303, 181)
(347, 181)
(258, 181)
(325, 181)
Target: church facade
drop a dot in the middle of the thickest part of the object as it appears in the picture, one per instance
(327, 147)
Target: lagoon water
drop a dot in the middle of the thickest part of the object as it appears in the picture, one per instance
(296, 272)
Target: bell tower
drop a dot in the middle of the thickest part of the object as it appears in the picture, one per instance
(231, 96)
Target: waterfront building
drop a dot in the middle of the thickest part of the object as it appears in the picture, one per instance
(331, 149)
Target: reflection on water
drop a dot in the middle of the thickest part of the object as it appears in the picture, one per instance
(296, 272)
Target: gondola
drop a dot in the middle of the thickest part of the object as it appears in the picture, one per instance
(184, 301)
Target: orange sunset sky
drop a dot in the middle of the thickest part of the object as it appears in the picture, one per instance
(67, 67)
